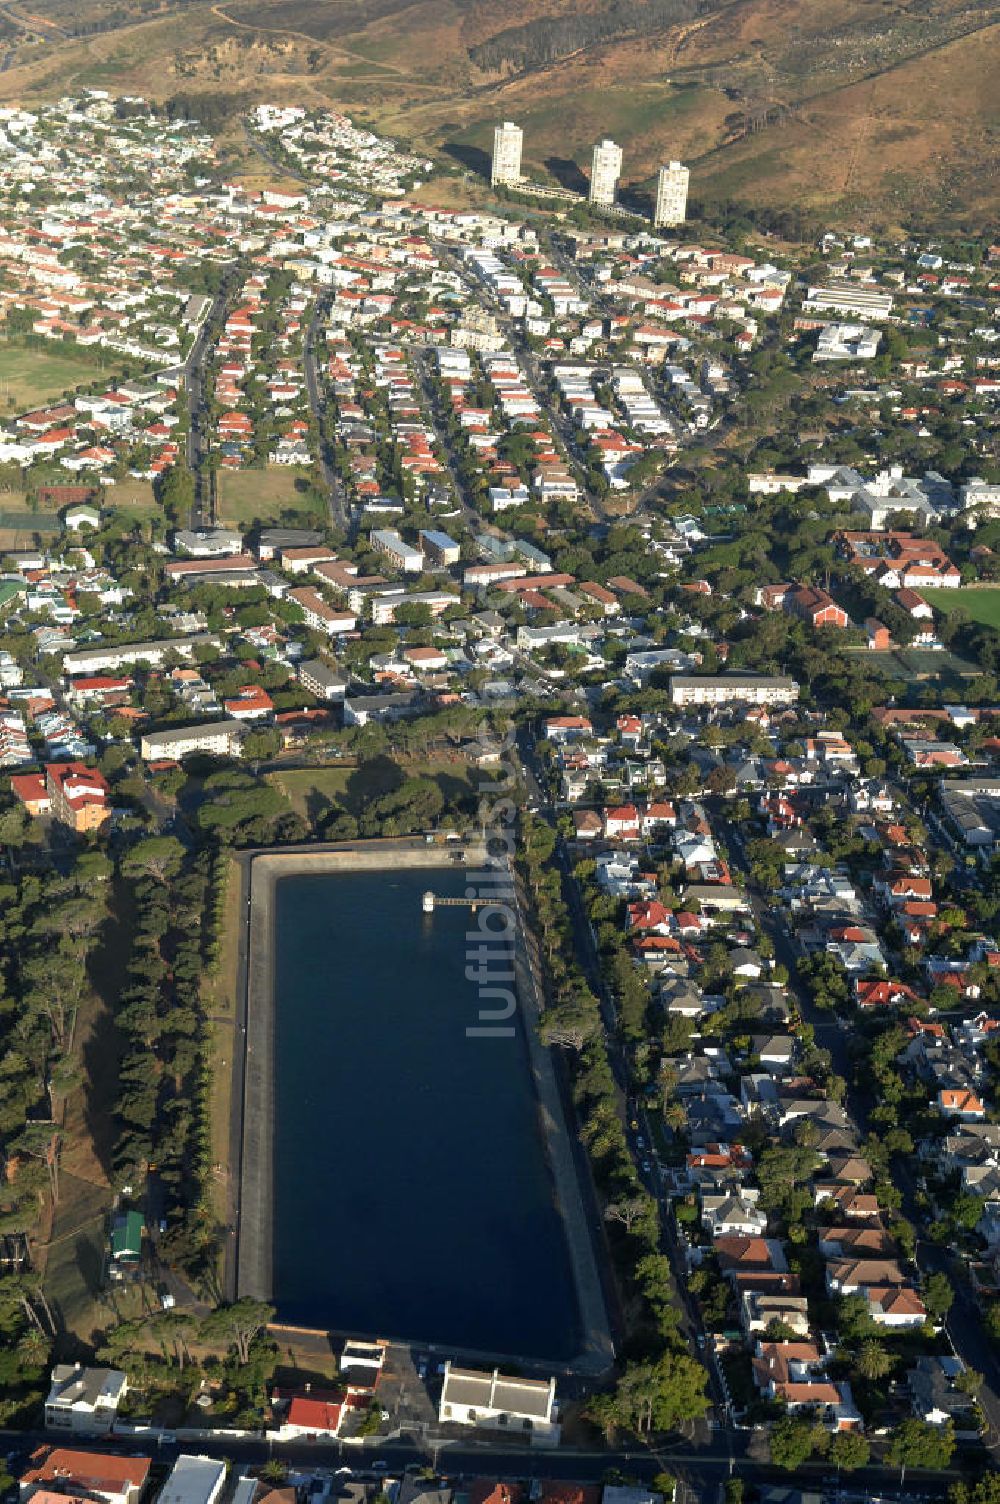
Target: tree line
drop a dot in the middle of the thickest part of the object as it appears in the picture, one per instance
(660, 1384)
(162, 1107)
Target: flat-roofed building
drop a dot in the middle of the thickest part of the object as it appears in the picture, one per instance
(193, 1480)
(671, 195)
(439, 547)
(495, 1401)
(321, 680)
(605, 170)
(215, 738)
(723, 689)
(849, 298)
(273, 539)
(99, 660)
(508, 139)
(400, 553)
(208, 543)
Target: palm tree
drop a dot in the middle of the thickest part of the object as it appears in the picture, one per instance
(873, 1362)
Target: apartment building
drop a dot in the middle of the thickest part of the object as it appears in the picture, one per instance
(508, 140)
(321, 680)
(671, 195)
(79, 795)
(724, 689)
(403, 555)
(319, 614)
(100, 660)
(605, 170)
(216, 738)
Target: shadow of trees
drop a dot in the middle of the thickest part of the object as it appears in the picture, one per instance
(473, 158)
(568, 174)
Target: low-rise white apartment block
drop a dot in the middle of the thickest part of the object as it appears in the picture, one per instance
(217, 738)
(980, 498)
(725, 689)
(849, 298)
(403, 555)
(847, 342)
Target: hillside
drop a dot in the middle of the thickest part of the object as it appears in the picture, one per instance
(866, 109)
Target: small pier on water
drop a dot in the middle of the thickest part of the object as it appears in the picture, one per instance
(432, 901)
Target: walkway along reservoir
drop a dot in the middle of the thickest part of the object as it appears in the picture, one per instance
(401, 1177)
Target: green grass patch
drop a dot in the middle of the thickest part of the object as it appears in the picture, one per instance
(133, 496)
(74, 1264)
(982, 604)
(30, 377)
(311, 791)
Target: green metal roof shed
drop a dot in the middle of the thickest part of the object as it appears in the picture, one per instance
(126, 1238)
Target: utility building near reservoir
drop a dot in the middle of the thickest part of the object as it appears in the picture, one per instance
(497, 1402)
(507, 142)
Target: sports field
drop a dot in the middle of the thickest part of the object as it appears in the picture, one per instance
(982, 603)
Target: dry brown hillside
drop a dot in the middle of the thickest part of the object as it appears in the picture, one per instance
(867, 109)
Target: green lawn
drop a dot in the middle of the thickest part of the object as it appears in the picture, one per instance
(133, 496)
(247, 496)
(74, 1264)
(983, 605)
(30, 378)
(311, 790)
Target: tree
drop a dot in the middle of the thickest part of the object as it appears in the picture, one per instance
(791, 1442)
(849, 1450)
(985, 1491)
(238, 1324)
(158, 857)
(656, 1396)
(630, 1210)
(873, 1362)
(916, 1443)
(261, 743)
(938, 1294)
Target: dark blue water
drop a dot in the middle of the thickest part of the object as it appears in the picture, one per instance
(412, 1194)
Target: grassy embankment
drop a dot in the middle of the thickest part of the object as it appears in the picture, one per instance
(73, 1258)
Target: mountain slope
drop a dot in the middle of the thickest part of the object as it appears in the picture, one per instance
(862, 108)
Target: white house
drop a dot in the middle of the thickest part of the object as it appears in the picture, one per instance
(84, 1401)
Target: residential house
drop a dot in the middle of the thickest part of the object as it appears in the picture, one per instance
(84, 1401)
